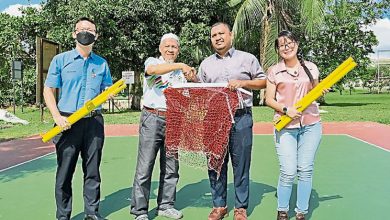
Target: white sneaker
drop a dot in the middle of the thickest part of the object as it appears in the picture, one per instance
(170, 213)
(142, 217)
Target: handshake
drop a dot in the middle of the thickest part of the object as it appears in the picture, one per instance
(189, 73)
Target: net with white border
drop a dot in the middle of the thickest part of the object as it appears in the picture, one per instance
(198, 122)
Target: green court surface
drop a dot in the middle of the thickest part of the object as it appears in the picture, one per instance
(351, 181)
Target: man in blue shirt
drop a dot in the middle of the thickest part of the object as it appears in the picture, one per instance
(80, 75)
(160, 73)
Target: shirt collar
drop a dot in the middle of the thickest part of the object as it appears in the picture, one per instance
(281, 67)
(76, 54)
(229, 53)
(284, 67)
(162, 59)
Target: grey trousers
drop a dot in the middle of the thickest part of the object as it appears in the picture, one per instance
(151, 140)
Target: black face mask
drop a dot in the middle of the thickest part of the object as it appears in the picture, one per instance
(85, 38)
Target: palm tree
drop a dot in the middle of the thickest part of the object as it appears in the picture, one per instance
(265, 18)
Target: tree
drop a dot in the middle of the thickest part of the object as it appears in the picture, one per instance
(129, 30)
(260, 21)
(14, 47)
(344, 34)
(195, 44)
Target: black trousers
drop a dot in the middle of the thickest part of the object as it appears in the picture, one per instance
(85, 138)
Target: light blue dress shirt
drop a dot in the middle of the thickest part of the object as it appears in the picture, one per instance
(78, 79)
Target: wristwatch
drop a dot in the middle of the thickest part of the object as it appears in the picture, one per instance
(285, 110)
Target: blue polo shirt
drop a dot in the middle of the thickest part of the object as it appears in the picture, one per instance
(78, 79)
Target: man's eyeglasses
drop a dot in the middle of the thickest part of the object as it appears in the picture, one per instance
(288, 45)
(85, 29)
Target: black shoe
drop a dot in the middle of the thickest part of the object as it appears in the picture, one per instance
(300, 216)
(94, 217)
(282, 215)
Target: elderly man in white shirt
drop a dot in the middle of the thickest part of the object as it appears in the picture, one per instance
(160, 73)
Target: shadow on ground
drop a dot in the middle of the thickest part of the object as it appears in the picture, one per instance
(313, 204)
(192, 195)
(349, 104)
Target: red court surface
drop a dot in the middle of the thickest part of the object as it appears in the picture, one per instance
(18, 151)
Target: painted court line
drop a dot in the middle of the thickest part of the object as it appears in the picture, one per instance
(374, 145)
(368, 132)
(37, 158)
(24, 162)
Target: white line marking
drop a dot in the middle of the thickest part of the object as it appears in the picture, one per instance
(374, 145)
(16, 165)
(369, 143)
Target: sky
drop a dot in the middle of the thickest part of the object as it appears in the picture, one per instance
(381, 28)
(382, 32)
(10, 6)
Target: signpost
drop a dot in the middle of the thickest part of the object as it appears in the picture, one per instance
(17, 74)
(128, 76)
(45, 52)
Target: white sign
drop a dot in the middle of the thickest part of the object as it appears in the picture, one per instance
(128, 76)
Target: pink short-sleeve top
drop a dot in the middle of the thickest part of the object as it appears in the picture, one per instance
(291, 87)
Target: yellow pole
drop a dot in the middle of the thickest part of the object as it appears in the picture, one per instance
(316, 92)
(86, 109)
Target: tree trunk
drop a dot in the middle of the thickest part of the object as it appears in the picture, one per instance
(262, 97)
(136, 91)
(264, 40)
(136, 102)
(256, 98)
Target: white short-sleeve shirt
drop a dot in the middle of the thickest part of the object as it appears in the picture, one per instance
(154, 85)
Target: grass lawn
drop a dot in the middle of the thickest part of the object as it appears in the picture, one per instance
(360, 106)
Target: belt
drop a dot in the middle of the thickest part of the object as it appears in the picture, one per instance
(93, 113)
(243, 111)
(155, 111)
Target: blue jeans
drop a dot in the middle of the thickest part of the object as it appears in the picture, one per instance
(296, 149)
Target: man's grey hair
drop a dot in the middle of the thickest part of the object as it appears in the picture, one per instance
(170, 36)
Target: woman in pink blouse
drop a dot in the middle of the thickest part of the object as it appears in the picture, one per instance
(296, 144)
